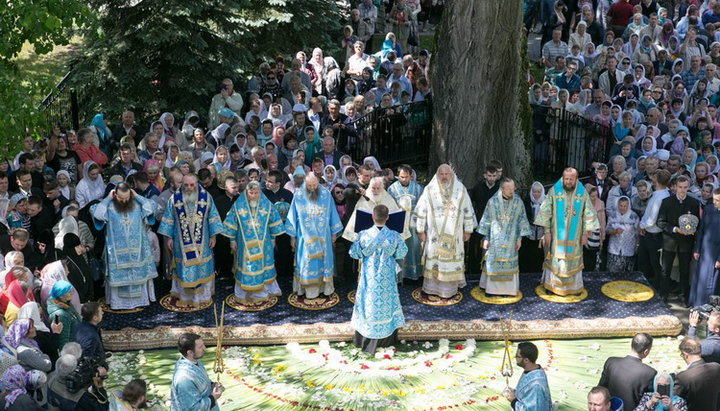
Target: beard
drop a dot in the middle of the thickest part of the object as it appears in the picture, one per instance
(312, 195)
(190, 196)
(123, 207)
(569, 188)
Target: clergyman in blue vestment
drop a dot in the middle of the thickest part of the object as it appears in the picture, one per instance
(532, 392)
(377, 313)
(130, 267)
(191, 388)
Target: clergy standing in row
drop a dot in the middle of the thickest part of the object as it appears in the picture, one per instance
(190, 224)
(252, 225)
(313, 225)
(406, 193)
(130, 267)
(445, 219)
(377, 313)
(502, 225)
(567, 215)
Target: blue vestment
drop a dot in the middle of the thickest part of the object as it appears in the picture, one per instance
(313, 224)
(191, 387)
(410, 265)
(128, 253)
(707, 244)
(190, 226)
(377, 312)
(253, 230)
(532, 392)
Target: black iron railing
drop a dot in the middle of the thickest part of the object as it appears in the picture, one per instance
(565, 139)
(65, 105)
(395, 135)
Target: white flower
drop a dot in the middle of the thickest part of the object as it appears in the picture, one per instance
(595, 347)
(427, 345)
(403, 342)
(292, 346)
(342, 344)
(444, 342)
(324, 344)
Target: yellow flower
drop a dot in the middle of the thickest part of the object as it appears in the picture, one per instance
(310, 384)
(256, 362)
(420, 390)
(401, 393)
(385, 393)
(346, 389)
(440, 387)
(256, 357)
(329, 387)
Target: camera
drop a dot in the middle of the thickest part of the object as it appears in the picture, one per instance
(706, 309)
(82, 375)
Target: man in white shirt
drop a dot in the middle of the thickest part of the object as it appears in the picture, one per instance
(358, 61)
(650, 234)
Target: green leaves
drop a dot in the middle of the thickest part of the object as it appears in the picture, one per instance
(170, 56)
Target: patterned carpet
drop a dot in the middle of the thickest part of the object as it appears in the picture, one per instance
(532, 317)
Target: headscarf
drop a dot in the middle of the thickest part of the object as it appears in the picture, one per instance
(334, 180)
(96, 189)
(345, 171)
(169, 161)
(52, 274)
(652, 151)
(690, 166)
(218, 134)
(641, 82)
(98, 121)
(373, 160)
(17, 197)
(14, 381)
(65, 191)
(17, 331)
(14, 293)
(59, 289)
(31, 310)
(67, 225)
(275, 137)
(717, 164)
(539, 201)
(70, 241)
(167, 131)
(673, 398)
(222, 166)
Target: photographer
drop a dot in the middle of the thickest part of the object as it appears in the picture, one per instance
(225, 98)
(711, 344)
(95, 398)
(59, 397)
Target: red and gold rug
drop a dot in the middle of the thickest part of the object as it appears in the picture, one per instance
(433, 300)
(169, 303)
(258, 306)
(322, 302)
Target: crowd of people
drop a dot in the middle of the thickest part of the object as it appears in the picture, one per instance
(647, 70)
(118, 210)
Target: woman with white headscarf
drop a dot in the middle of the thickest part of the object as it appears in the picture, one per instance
(372, 160)
(91, 187)
(318, 62)
(64, 184)
(171, 132)
(67, 225)
(221, 159)
(217, 136)
(531, 254)
(51, 274)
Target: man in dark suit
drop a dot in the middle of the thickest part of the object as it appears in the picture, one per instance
(627, 377)
(601, 181)
(698, 384)
(328, 154)
(128, 128)
(677, 241)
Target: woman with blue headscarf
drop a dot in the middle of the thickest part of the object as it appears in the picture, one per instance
(662, 398)
(97, 124)
(60, 308)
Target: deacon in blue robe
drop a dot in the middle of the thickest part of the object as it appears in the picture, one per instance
(252, 224)
(191, 387)
(532, 392)
(313, 224)
(707, 252)
(130, 267)
(377, 313)
(407, 192)
(190, 224)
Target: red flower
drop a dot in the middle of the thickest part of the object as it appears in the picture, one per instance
(312, 351)
(325, 356)
(459, 346)
(428, 363)
(447, 356)
(386, 356)
(364, 367)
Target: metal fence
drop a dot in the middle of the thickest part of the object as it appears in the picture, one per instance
(395, 135)
(565, 139)
(65, 105)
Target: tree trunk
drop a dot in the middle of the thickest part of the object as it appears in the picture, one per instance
(480, 91)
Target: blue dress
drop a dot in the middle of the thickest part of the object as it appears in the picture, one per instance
(707, 244)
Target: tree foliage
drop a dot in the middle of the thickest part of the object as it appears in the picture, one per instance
(43, 24)
(170, 56)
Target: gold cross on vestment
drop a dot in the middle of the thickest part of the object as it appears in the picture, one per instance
(178, 204)
(202, 203)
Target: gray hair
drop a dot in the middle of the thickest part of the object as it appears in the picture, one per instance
(65, 365)
(11, 256)
(253, 185)
(73, 349)
(256, 149)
